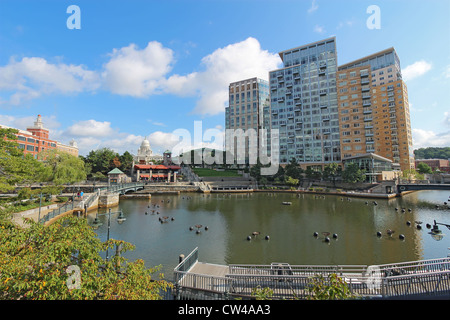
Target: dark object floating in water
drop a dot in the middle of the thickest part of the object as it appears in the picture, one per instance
(390, 232)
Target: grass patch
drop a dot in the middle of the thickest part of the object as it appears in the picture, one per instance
(205, 172)
(19, 207)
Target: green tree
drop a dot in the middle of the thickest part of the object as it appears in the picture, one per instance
(15, 167)
(312, 174)
(353, 174)
(424, 168)
(293, 170)
(101, 160)
(61, 168)
(291, 181)
(331, 172)
(412, 174)
(126, 161)
(331, 288)
(35, 262)
(432, 153)
(262, 293)
(255, 171)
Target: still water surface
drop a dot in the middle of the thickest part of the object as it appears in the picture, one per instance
(231, 218)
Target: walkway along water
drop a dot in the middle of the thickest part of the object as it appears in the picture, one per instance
(416, 279)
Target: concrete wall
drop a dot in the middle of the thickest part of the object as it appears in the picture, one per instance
(108, 200)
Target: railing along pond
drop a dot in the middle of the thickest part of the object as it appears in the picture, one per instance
(418, 278)
(89, 200)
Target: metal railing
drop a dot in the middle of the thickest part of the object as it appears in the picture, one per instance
(415, 267)
(187, 262)
(300, 270)
(69, 206)
(58, 211)
(406, 279)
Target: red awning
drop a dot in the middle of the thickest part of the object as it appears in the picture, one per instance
(150, 167)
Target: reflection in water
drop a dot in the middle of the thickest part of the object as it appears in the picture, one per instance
(356, 228)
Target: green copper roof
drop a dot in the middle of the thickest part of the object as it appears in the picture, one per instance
(115, 170)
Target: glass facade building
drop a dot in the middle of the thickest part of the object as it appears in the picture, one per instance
(303, 104)
(245, 111)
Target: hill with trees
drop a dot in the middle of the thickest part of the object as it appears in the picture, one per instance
(432, 153)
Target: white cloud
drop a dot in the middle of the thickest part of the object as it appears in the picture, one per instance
(135, 72)
(347, 23)
(416, 69)
(234, 62)
(86, 144)
(31, 77)
(447, 120)
(313, 7)
(23, 123)
(90, 128)
(447, 72)
(319, 29)
(427, 138)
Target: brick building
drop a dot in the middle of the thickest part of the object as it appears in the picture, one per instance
(36, 139)
(440, 164)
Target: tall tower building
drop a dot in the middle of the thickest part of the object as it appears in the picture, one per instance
(304, 105)
(374, 109)
(245, 111)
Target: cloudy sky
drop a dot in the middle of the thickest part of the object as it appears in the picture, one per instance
(153, 68)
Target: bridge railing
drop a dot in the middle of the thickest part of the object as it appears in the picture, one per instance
(415, 267)
(287, 269)
(416, 278)
(436, 283)
(188, 261)
(121, 186)
(58, 211)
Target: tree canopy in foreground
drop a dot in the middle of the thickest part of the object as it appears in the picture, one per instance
(63, 262)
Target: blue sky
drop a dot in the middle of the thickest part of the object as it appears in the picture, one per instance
(147, 68)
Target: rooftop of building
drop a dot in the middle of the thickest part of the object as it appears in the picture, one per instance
(254, 79)
(369, 155)
(366, 58)
(312, 44)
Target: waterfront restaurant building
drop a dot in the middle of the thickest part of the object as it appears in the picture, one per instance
(156, 172)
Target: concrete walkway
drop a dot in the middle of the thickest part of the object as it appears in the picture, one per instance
(18, 217)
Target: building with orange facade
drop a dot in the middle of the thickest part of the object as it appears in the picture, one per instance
(374, 109)
(36, 139)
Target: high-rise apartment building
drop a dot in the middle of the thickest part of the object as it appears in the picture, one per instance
(326, 113)
(374, 109)
(304, 105)
(247, 100)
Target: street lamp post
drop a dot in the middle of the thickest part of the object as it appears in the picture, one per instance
(121, 218)
(40, 203)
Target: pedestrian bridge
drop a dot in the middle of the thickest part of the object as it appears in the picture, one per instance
(416, 279)
(422, 186)
(81, 205)
(123, 188)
